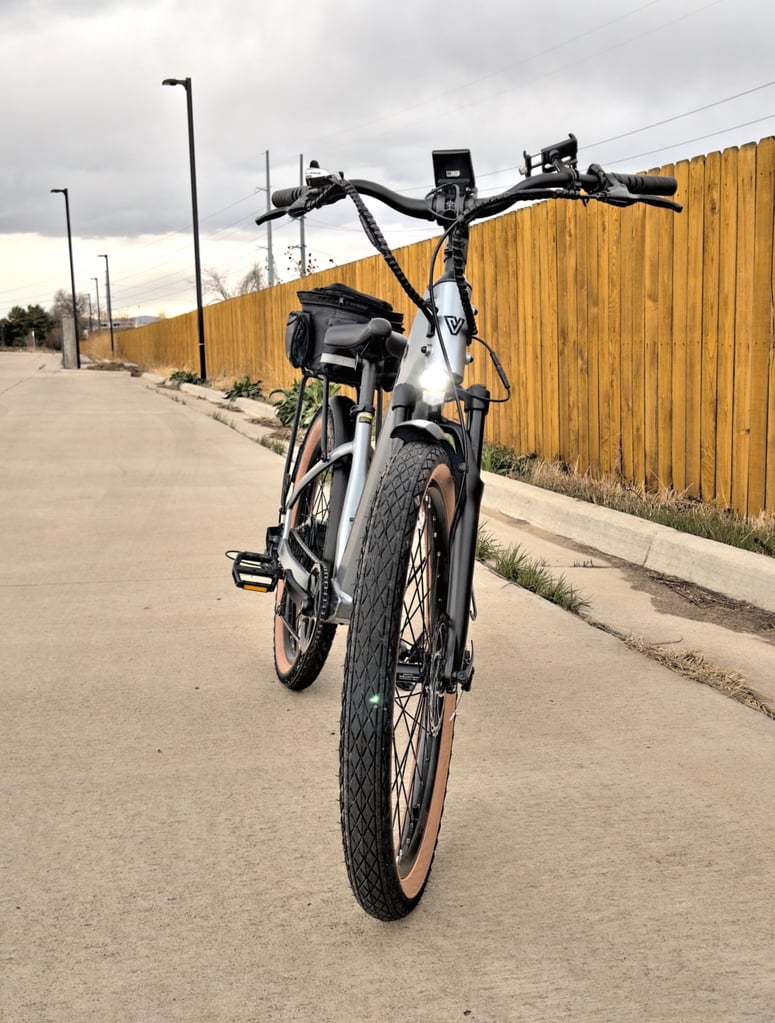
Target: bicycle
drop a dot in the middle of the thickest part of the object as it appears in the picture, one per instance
(379, 513)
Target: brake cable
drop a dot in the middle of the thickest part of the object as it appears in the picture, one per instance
(377, 239)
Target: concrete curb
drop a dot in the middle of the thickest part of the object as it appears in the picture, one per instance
(739, 575)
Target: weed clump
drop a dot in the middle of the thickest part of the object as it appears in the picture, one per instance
(664, 506)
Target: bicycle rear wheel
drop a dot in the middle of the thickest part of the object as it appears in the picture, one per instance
(397, 719)
(302, 637)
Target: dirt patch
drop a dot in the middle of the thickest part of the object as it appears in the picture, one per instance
(116, 367)
(685, 600)
(279, 432)
(107, 367)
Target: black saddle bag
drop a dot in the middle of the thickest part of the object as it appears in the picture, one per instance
(321, 308)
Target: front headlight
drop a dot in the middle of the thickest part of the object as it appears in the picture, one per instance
(436, 385)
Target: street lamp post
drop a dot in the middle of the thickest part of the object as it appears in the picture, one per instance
(104, 256)
(64, 192)
(99, 314)
(200, 320)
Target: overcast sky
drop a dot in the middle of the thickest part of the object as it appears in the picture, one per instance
(366, 88)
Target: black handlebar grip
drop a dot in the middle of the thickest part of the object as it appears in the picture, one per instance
(648, 184)
(286, 196)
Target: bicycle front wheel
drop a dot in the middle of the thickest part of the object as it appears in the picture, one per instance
(397, 717)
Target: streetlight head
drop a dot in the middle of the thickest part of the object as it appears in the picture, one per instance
(174, 81)
(62, 190)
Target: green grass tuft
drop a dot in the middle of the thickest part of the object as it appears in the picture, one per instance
(514, 565)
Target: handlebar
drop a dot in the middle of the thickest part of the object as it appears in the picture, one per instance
(563, 181)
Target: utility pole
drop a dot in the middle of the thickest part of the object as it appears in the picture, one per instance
(270, 257)
(99, 313)
(110, 310)
(302, 245)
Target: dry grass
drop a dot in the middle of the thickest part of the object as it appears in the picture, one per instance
(694, 666)
(662, 505)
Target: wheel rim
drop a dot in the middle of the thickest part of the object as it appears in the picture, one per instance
(422, 710)
(295, 625)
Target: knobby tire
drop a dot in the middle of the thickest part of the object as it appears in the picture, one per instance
(397, 721)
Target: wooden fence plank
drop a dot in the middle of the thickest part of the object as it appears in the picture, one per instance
(665, 348)
(741, 419)
(694, 354)
(710, 326)
(505, 297)
(651, 324)
(549, 336)
(680, 308)
(726, 327)
(611, 381)
(627, 404)
(637, 298)
(523, 389)
(594, 284)
(565, 304)
(535, 220)
(580, 286)
(761, 326)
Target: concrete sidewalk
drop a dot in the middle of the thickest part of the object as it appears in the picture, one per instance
(170, 847)
(615, 561)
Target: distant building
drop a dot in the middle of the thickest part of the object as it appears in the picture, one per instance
(127, 323)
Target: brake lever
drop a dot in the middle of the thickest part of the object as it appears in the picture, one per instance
(615, 193)
(620, 197)
(264, 218)
(322, 189)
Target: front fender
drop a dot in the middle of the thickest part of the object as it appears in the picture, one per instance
(420, 429)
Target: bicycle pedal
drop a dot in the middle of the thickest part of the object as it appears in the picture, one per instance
(255, 572)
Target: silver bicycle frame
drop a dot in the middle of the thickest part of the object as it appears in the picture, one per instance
(433, 365)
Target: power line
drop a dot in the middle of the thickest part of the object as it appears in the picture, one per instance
(698, 138)
(688, 113)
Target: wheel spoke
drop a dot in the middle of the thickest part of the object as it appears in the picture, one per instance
(411, 733)
(302, 636)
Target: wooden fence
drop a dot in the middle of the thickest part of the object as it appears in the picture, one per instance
(637, 341)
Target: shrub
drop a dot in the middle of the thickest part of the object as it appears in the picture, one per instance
(285, 409)
(244, 388)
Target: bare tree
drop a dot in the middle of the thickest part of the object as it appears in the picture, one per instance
(254, 280)
(62, 306)
(217, 284)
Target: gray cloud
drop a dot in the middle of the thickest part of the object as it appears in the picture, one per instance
(366, 88)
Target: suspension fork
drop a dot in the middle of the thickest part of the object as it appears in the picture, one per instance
(458, 667)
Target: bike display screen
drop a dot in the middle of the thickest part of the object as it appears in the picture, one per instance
(453, 167)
